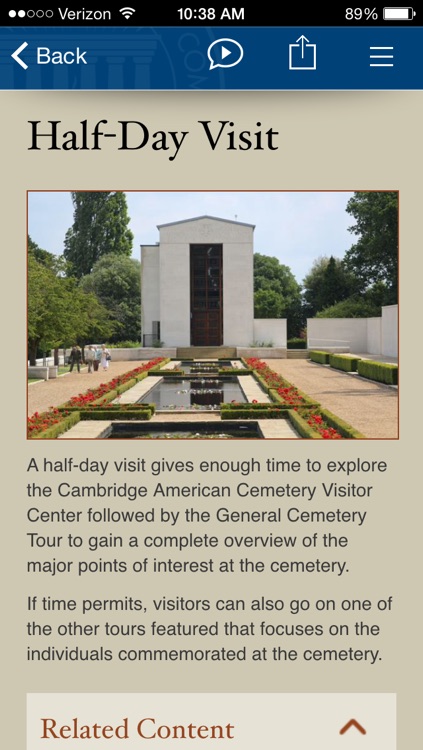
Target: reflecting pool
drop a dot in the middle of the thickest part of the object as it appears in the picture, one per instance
(194, 393)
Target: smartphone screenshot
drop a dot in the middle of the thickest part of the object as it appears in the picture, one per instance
(211, 528)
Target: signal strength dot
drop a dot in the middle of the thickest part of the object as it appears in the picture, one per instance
(127, 12)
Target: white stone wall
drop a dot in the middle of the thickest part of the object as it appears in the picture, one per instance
(175, 323)
(150, 287)
(337, 332)
(390, 330)
(262, 352)
(362, 335)
(135, 354)
(374, 331)
(270, 330)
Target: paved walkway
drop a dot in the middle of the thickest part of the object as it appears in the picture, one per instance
(371, 408)
(55, 392)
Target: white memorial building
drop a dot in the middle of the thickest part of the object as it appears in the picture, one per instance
(198, 288)
(197, 284)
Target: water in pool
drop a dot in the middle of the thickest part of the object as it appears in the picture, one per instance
(185, 430)
(204, 366)
(202, 393)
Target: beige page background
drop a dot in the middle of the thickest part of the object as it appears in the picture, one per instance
(328, 141)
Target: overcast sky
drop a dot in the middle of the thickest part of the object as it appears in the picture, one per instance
(295, 227)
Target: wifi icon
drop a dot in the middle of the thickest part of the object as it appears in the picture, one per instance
(127, 12)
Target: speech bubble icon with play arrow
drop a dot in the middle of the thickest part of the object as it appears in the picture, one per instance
(225, 53)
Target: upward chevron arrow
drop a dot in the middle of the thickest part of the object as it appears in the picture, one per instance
(352, 723)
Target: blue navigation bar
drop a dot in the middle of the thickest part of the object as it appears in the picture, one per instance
(212, 58)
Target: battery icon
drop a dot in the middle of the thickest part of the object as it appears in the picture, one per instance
(398, 14)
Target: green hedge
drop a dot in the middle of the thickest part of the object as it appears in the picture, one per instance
(161, 364)
(301, 426)
(345, 429)
(114, 414)
(344, 362)
(130, 407)
(246, 405)
(296, 344)
(58, 429)
(205, 368)
(201, 373)
(236, 371)
(109, 396)
(306, 401)
(299, 421)
(125, 345)
(121, 408)
(382, 372)
(76, 414)
(110, 407)
(263, 413)
(166, 373)
(126, 386)
(321, 357)
(253, 411)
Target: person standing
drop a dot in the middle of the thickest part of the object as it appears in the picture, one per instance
(75, 358)
(105, 357)
(97, 358)
(89, 358)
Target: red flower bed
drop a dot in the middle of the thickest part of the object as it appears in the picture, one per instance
(84, 399)
(317, 422)
(288, 393)
(40, 422)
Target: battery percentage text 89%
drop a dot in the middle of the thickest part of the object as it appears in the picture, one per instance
(361, 14)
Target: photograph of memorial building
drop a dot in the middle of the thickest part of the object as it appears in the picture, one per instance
(212, 315)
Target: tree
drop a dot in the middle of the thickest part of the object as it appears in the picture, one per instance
(42, 256)
(48, 301)
(116, 281)
(327, 283)
(100, 227)
(277, 294)
(59, 313)
(351, 308)
(92, 319)
(374, 257)
(268, 304)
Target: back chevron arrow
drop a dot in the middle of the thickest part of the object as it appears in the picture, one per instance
(16, 54)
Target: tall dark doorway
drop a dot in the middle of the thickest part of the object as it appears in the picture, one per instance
(206, 295)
